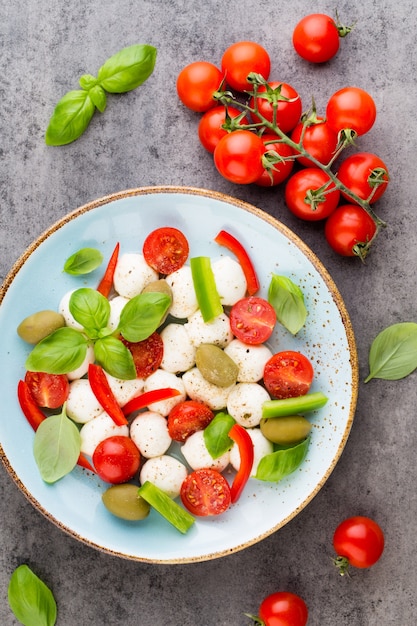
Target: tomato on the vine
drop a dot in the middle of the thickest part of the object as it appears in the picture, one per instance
(196, 84)
(351, 108)
(210, 128)
(289, 105)
(365, 174)
(238, 157)
(316, 38)
(358, 541)
(319, 139)
(288, 374)
(348, 226)
(252, 320)
(283, 608)
(242, 58)
(206, 492)
(48, 390)
(308, 206)
(281, 164)
(116, 459)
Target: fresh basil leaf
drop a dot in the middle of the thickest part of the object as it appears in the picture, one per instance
(393, 352)
(216, 435)
(90, 309)
(127, 69)
(142, 315)
(83, 261)
(70, 118)
(59, 353)
(288, 301)
(115, 358)
(56, 447)
(31, 601)
(98, 97)
(87, 81)
(275, 466)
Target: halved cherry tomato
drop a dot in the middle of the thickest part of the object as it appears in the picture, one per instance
(365, 174)
(358, 541)
(147, 354)
(303, 203)
(242, 58)
(210, 128)
(348, 226)
(205, 492)
(48, 390)
(288, 374)
(187, 418)
(351, 108)
(316, 38)
(238, 157)
(106, 283)
(166, 249)
(196, 84)
(226, 239)
(283, 608)
(252, 320)
(116, 459)
(281, 163)
(319, 139)
(289, 107)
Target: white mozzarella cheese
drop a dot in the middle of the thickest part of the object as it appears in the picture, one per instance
(250, 360)
(149, 432)
(162, 380)
(82, 405)
(98, 429)
(198, 388)
(230, 280)
(184, 300)
(165, 472)
(197, 456)
(132, 274)
(261, 447)
(245, 403)
(179, 351)
(216, 332)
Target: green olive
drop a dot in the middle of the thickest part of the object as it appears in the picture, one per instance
(215, 365)
(39, 325)
(159, 286)
(285, 430)
(125, 502)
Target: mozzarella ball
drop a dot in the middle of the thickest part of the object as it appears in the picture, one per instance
(132, 274)
(216, 332)
(261, 447)
(125, 390)
(198, 388)
(149, 432)
(184, 300)
(83, 368)
(245, 403)
(63, 308)
(101, 427)
(116, 306)
(179, 352)
(250, 360)
(197, 456)
(230, 280)
(161, 380)
(82, 405)
(165, 472)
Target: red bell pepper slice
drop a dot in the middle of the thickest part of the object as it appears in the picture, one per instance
(149, 397)
(35, 416)
(106, 282)
(105, 396)
(231, 243)
(239, 435)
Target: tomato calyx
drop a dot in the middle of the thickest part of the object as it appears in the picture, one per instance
(342, 563)
(342, 29)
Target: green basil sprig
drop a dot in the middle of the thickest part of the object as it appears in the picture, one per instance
(90, 309)
(59, 353)
(83, 261)
(31, 601)
(288, 301)
(124, 71)
(216, 435)
(393, 353)
(275, 466)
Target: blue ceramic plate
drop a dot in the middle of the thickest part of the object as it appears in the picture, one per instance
(37, 282)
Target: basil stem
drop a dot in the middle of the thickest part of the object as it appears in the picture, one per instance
(288, 301)
(393, 353)
(83, 261)
(59, 353)
(292, 406)
(216, 435)
(205, 288)
(31, 601)
(70, 118)
(127, 69)
(275, 466)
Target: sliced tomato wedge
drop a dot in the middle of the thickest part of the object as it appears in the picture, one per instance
(49, 391)
(147, 354)
(252, 320)
(166, 249)
(188, 417)
(288, 374)
(205, 492)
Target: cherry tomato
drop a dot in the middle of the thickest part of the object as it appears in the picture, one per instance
(196, 84)
(280, 170)
(205, 492)
(283, 608)
(116, 459)
(48, 390)
(242, 58)
(187, 418)
(238, 157)
(347, 226)
(358, 541)
(210, 128)
(288, 374)
(289, 108)
(320, 140)
(147, 354)
(359, 171)
(316, 38)
(166, 249)
(351, 108)
(297, 198)
(252, 320)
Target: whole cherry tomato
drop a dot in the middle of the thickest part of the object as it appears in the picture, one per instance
(281, 163)
(289, 106)
(238, 157)
(348, 226)
(196, 84)
(304, 204)
(351, 108)
(319, 139)
(210, 128)
(365, 174)
(358, 541)
(283, 608)
(316, 38)
(116, 459)
(242, 58)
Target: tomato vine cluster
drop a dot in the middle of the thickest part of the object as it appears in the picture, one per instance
(258, 134)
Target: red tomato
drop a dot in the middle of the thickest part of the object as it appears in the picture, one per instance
(316, 38)
(242, 58)
(351, 108)
(283, 609)
(280, 170)
(187, 418)
(298, 200)
(288, 374)
(238, 157)
(166, 249)
(116, 459)
(320, 140)
(347, 226)
(205, 492)
(197, 83)
(360, 171)
(147, 354)
(48, 390)
(252, 320)
(210, 128)
(289, 108)
(358, 541)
